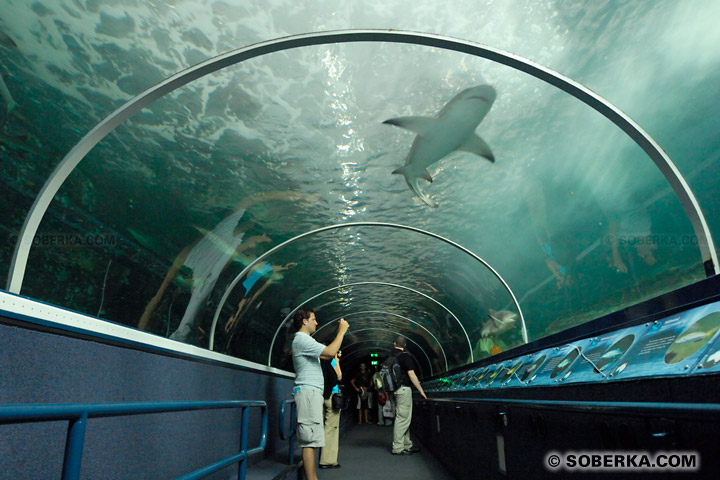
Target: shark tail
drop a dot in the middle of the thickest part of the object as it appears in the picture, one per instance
(411, 177)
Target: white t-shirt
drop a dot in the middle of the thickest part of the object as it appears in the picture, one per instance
(306, 360)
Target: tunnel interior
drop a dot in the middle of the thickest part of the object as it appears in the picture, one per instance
(204, 216)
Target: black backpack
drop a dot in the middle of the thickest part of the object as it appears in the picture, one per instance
(329, 376)
(392, 374)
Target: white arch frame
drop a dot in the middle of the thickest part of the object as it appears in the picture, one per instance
(331, 322)
(396, 334)
(305, 302)
(101, 130)
(248, 268)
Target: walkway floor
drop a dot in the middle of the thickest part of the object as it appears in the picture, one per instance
(365, 453)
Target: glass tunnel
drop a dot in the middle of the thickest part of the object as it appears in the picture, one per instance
(189, 170)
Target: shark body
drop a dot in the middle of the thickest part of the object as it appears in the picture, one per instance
(453, 128)
(498, 322)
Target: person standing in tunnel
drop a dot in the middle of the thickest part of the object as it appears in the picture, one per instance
(332, 374)
(361, 383)
(309, 384)
(402, 445)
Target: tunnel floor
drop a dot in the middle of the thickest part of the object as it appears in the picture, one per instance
(365, 453)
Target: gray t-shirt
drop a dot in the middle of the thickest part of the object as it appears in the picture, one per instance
(306, 359)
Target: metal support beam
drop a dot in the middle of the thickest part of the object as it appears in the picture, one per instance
(414, 322)
(305, 302)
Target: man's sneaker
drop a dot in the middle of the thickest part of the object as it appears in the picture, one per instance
(412, 450)
(404, 452)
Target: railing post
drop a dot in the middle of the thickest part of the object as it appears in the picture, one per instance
(74, 448)
(290, 437)
(244, 427)
(293, 421)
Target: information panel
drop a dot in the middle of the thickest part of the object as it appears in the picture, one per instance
(672, 346)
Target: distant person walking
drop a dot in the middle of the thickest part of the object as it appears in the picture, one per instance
(402, 445)
(361, 384)
(309, 384)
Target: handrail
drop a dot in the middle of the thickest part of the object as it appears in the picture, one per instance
(79, 413)
(293, 419)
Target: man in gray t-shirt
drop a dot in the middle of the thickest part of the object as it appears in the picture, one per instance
(308, 391)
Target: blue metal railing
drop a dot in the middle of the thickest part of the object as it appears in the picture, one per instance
(79, 413)
(293, 421)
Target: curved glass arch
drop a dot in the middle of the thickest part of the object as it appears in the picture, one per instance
(409, 320)
(305, 302)
(627, 125)
(365, 349)
(472, 224)
(372, 329)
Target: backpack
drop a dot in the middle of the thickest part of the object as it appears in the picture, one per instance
(377, 382)
(329, 377)
(392, 374)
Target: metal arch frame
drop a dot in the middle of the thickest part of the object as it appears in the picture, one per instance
(274, 249)
(305, 302)
(447, 367)
(421, 372)
(414, 322)
(422, 375)
(346, 356)
(396, 334)
(678, 183)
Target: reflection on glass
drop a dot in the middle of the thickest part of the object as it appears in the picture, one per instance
(571, 212)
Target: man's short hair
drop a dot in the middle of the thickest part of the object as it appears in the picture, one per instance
(300, 315)
(400, 341)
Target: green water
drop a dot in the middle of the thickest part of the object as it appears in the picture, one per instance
(294, 141)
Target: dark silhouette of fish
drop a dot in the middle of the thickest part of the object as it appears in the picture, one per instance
(10, 103)
(17, 143)
(6, 40)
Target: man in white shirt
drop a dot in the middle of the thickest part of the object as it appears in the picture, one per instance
(309, 384)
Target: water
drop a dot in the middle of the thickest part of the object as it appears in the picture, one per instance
(306, 126)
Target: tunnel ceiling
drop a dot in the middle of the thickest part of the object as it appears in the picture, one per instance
(163, 215)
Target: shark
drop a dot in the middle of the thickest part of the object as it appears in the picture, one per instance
(498, 322)
(452, 129)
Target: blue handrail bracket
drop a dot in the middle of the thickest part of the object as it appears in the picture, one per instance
(291, 434)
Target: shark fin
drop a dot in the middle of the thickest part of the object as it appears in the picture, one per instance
(478, 146)
(419, 125)
(411, 179)
(404, 170)
(426, 176)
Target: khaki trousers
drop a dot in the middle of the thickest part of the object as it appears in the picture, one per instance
(403, 417)
(329, 453)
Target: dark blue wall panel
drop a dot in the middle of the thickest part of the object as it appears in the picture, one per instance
(41, 367)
